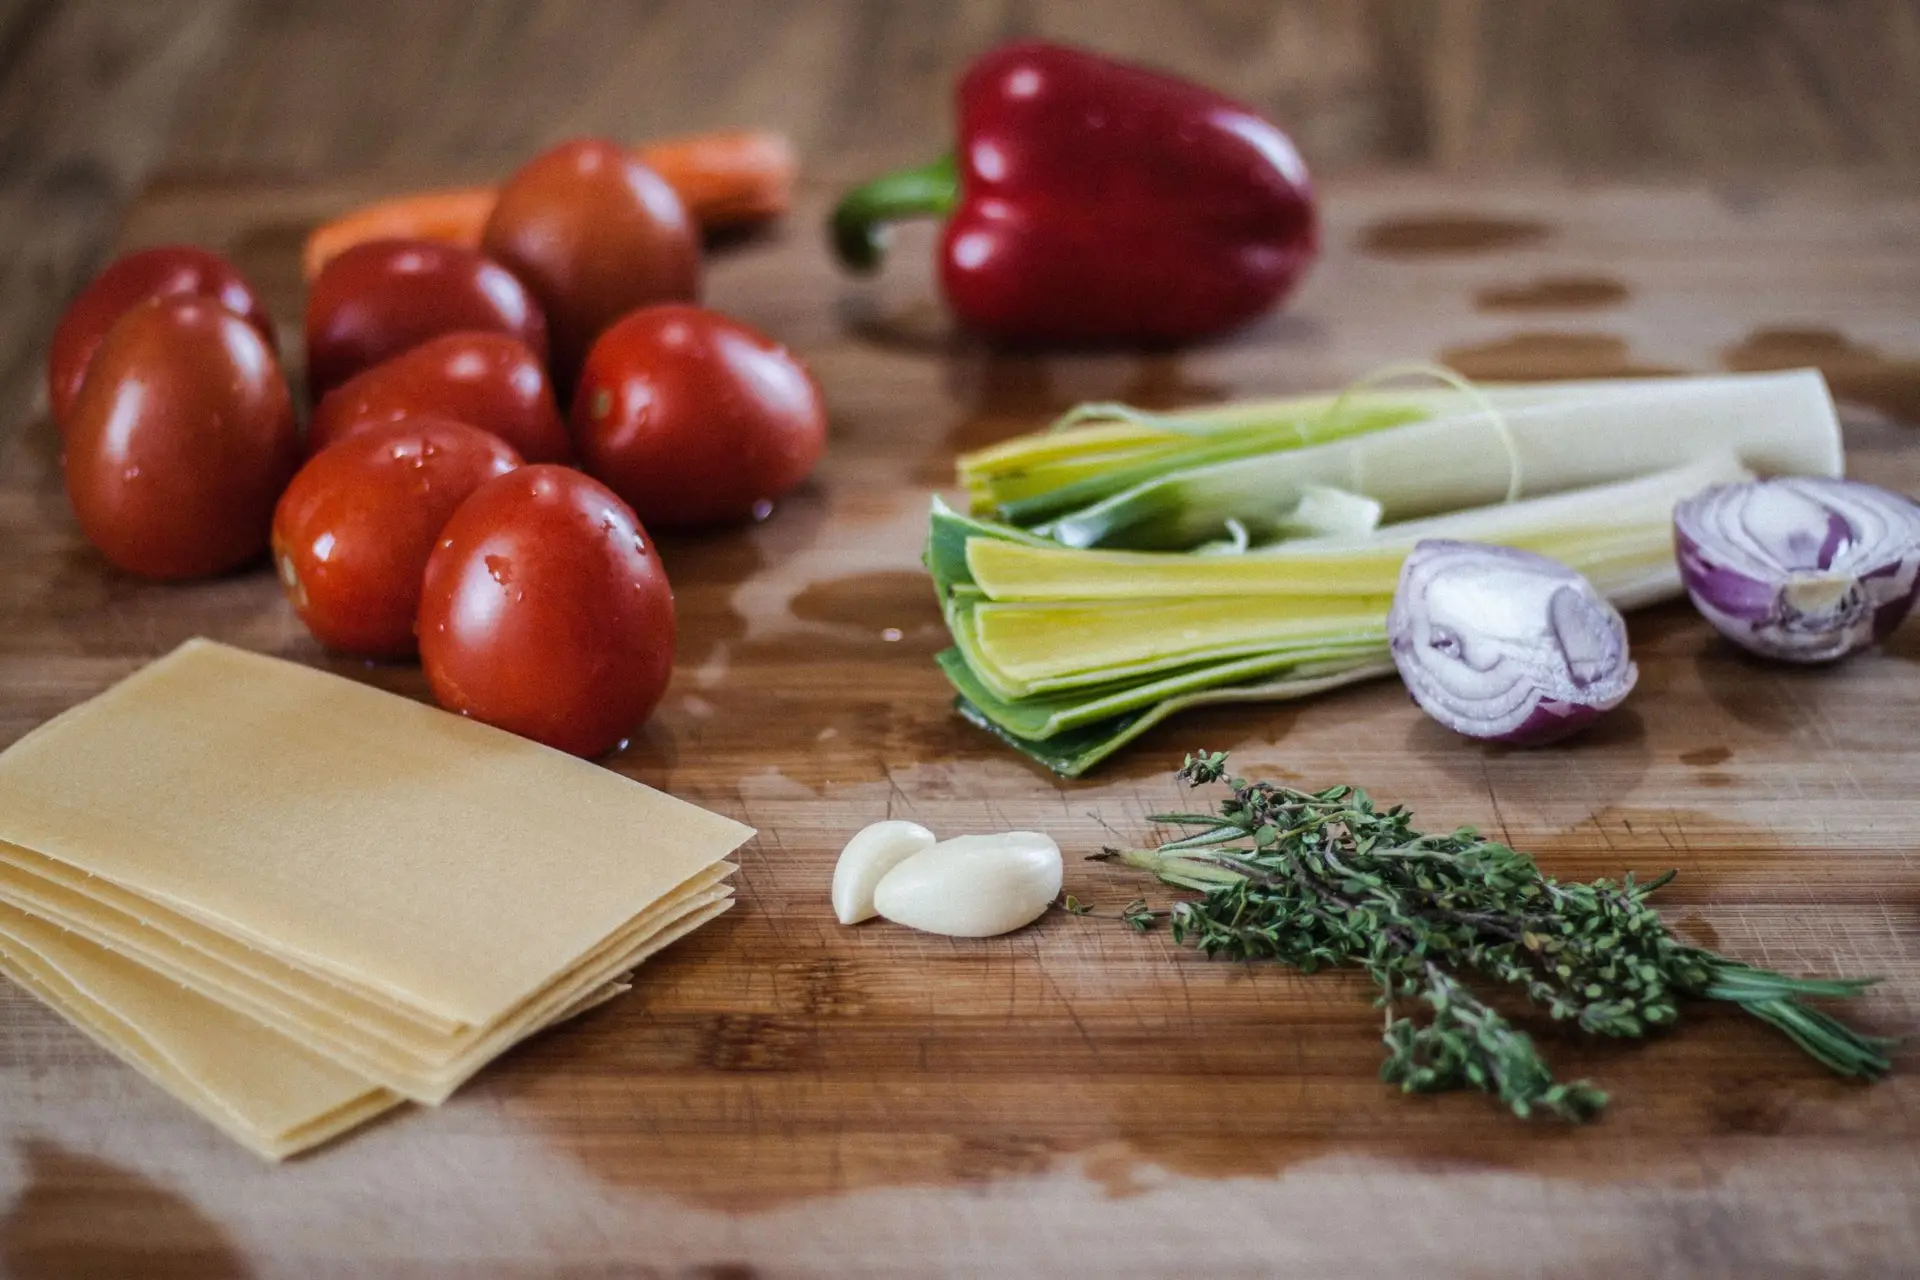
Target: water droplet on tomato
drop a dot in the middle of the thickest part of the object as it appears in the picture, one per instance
(762, 509)
(500, 569)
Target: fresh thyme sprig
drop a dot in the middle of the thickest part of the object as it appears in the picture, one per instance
(1327, 879)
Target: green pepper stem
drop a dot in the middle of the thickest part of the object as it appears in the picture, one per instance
(859, 222)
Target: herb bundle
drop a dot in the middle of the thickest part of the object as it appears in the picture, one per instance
(1327, 879)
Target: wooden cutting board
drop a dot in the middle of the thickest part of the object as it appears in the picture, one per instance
(784, 1096)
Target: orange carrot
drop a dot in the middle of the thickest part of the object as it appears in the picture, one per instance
(455, 216)
(726, 179)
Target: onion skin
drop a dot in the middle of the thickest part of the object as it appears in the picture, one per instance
(1505, 645)
(1800, 569)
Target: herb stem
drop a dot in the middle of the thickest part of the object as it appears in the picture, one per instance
(1327, 879)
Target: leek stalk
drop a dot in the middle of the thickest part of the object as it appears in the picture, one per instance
(1521, 442)
(1067, 651)
(1011, 565)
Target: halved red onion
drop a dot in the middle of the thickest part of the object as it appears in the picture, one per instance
(1800, 568)
(1506, 645)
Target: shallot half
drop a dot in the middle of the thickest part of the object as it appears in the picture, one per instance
(1506, 645)
(1800, 568)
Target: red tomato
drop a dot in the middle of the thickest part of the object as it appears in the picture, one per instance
(696, 419)
(490, 380)
(384, 297)
(181, 440)
(545, 611)
(353, 531)
(594, 233)
(164, 272)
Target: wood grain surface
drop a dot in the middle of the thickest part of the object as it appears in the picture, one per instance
(800, 1098)
(781, 1096)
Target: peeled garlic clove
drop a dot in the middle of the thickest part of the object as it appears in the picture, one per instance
(873, 851)
(973, 886)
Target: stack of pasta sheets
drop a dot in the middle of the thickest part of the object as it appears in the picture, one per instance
(295, 901)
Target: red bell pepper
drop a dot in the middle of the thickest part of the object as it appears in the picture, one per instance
(1095, 202)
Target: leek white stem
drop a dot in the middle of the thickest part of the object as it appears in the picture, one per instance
(1369, 565)
(1775, 423)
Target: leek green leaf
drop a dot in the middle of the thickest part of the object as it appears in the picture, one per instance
(1074, 752)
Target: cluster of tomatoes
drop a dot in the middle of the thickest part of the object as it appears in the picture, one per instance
(434, 503)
